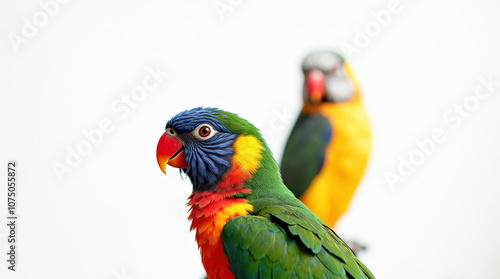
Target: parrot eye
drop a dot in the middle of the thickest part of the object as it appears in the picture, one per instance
(171, 132)
(204, 131)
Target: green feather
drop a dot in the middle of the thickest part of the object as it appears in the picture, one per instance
(302, 269)
(265, 268)
(281, 272)
(278, 249)
(259, 248)
(307, 237)
(331, 263)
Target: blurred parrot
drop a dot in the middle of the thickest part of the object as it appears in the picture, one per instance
(328, 148)
(248, 224)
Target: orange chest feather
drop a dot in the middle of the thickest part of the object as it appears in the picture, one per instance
(209, 214)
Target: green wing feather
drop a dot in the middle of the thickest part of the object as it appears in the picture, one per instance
(307, 143)
(288, 241)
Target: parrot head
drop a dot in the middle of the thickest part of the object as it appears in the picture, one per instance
(327, 78)
(202, 142)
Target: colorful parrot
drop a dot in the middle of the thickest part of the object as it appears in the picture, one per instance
(328, 148)
(248, 224)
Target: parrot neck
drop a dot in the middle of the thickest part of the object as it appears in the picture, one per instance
(211, 210)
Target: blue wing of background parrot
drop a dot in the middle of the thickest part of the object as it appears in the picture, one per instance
(307, 143)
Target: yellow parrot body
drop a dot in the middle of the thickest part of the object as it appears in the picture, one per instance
(341, 162)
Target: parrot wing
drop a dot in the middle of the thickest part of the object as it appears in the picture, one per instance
(307, 143)
(287, 243)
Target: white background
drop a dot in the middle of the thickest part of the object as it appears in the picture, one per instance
(117, 216)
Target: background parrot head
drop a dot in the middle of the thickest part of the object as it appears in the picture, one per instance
(201, 142)
(327, 78)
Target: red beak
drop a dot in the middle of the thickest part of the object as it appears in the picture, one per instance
(315, 81)
(170, 151)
